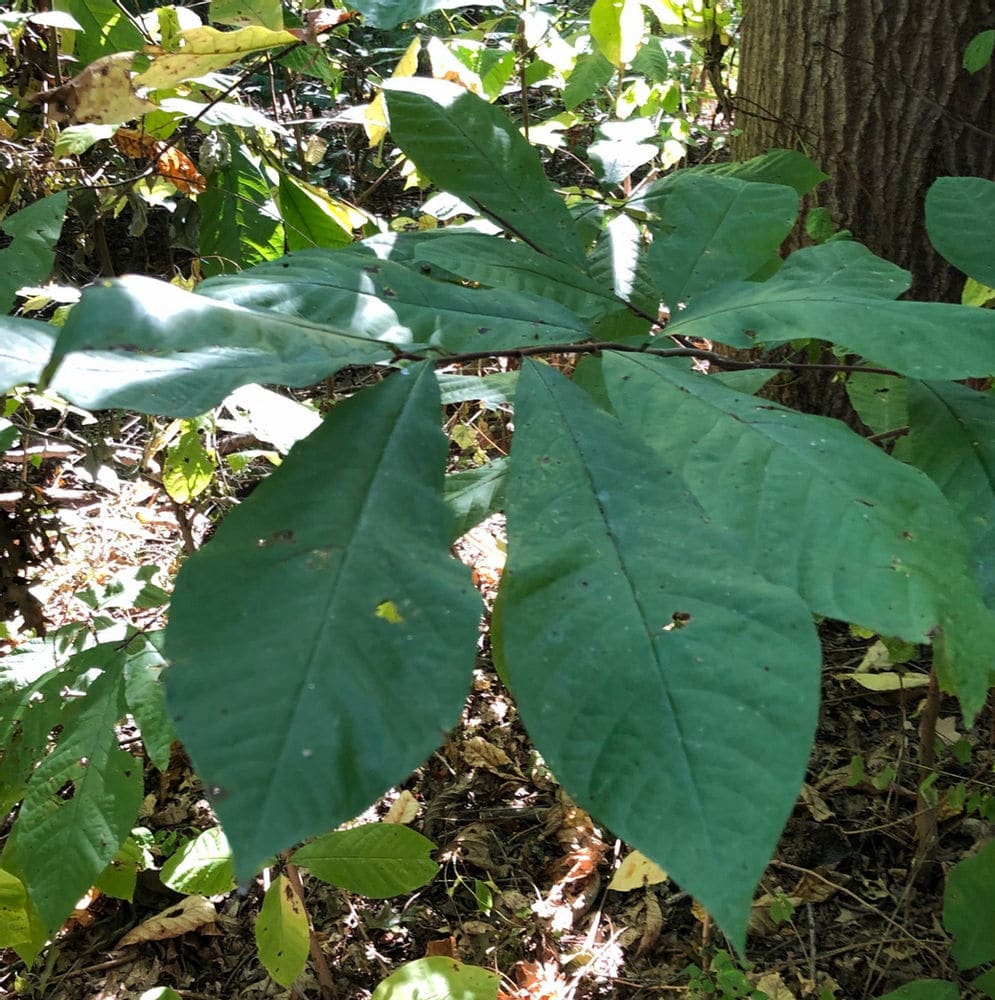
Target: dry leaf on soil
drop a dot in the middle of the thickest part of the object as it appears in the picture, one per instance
(636, 872)
(477, 752)
(190, 914)
(404, 809)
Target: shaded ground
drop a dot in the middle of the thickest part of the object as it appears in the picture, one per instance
(843, 911)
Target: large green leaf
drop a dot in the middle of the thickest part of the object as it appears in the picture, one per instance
(960, 220)
(618, 263)
(81, 801)
(144, 695)
(930, 340)
(383, 300)
(29, 258)
(474, 494)
(438, 978)
(322, 642)
(107, 28)
(776, 166)
(499, 263)
(240, 223)
(710, 229)
(672, 690)
(952, 439)
(969, 908)
(860, 536)
(471, 149)
(25, 346)
(145, 345)
(386, 14)
(377, 859)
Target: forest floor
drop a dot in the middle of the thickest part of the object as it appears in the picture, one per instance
(524, 882)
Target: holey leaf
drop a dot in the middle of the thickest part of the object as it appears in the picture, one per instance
(472, 150)
(862, 537)
(672, 690)
(298, 702)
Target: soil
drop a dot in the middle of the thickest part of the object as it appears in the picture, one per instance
(849, 907)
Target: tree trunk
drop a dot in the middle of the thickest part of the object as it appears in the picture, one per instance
(874, 91)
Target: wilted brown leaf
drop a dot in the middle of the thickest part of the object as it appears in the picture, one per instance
(190, 914)
(403, 809)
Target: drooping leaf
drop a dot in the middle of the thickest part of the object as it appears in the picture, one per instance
(376, 860)
(30, 256)
(618, 263)
(475, 494)
(81, 801)
(490, 390)
(969, 908)
(881, 401)
(499, 263)
(952, 439)
(960, 220)
(102, 93)
(617, 27)
(204, 50)
(438, 978)
(710, 229)
(776, 166)
(311, 217)
(240, 223)
(620, 604)
(352, 290)
(386, 14)
(140, 344)
(120, 877)
(25, 346)
(591, 71)
(805, 495)
(471, 149)
(282, 932)
(298, 702)
(621, 148)
(929, 340)
(106, 29)
(144, 694)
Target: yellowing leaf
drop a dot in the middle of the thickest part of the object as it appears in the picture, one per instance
(387, 610)
(375, 116)
(889, 680)
(617, 27)
(103, 94)
(188, 468)
(282, 933)
(205, 50)
(189, 914)
(636, 872)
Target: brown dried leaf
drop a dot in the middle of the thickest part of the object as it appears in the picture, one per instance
(815, 804)
(403, 809)
(653, 924)
(190, 914)
(477, 752)
(444, 948)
